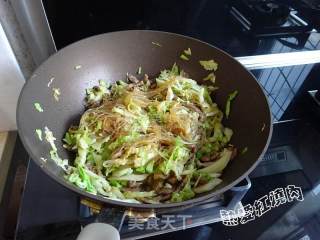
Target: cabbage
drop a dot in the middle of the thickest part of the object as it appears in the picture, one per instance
(124, 112)
(209, 65)
(38, 107)
(63, 163)
(56, 93)
(144, 154)
(50, 138)
(218, 165)
(141, 169)
(148, 168)
(188, 90)
(221, 134)
(131, 177)
(166, 75)
(122, 171)
(211, 184)
(117, 194)
(227, 134)
(70, 139)
(99, 143)
(118, 183)
(207, 149)
(139, 71)
(141, 124)
(123, 139)
(156, 44)
(39, 134)
(130, 194)
(153, 114)
(177, 159)
(185, 194)
(218, 133)
(98, 182)
(86, 180)
(187, 51)
(95, 94)
(184, 57)
(210, 77)
(231, 97)
(157, 111)
(206, 104)
(83, 141)
(170, 94)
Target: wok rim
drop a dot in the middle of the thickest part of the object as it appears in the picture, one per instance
(117, 203)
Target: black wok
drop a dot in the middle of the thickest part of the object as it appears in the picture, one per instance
(109, 57)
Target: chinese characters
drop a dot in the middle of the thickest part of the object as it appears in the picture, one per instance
(264, 204)
(155, 223)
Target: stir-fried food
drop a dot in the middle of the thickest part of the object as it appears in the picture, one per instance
(149, 140)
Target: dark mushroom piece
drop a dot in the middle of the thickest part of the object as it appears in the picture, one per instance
(181, 184)
(158, 184)
(172, 180)
(193, 148)
(165, 197)
(157, 176)
(153, 86)
(134, 184)
(165, 191)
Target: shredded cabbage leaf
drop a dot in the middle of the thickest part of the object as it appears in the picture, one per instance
(211, 77)
(56, 93)
(139, 71)
(39, 134)
(187, 52)
(184, 57)
(209, 65)
(38, 107)
(231, 97)
(63, 163)
(185, 194)
(156, 44)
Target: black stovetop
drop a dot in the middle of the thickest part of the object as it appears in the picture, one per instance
(49, 211)
(210, 21)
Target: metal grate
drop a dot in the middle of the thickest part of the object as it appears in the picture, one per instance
(282, 83)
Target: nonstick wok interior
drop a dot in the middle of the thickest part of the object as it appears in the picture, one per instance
(109, 57)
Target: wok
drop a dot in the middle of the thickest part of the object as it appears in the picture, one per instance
(109, 57)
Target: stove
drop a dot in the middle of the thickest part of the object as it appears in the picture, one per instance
(265, 18)
(51, 213)
(58, 213)
(281, 53)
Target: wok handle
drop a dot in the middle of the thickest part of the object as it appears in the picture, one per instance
(238, 192)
